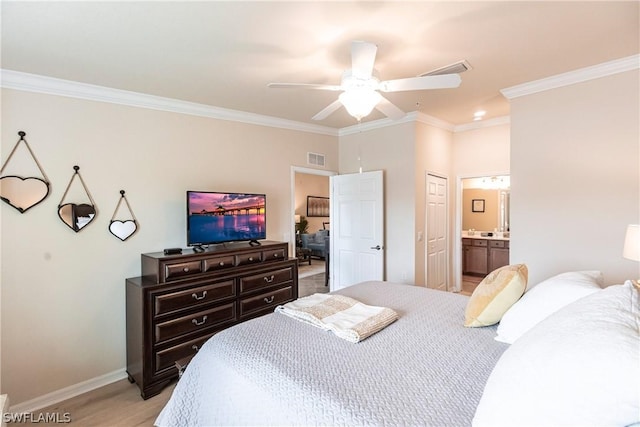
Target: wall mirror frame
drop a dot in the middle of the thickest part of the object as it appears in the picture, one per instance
(19, 192)
(76, 216)
(123, 229)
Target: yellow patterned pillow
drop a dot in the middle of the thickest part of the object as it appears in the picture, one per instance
(495, 295)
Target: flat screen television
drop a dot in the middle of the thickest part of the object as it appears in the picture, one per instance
(215, 217)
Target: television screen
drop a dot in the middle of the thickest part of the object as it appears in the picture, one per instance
(214, 217)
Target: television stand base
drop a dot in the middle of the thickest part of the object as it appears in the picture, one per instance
(254, 243)
(198, 249)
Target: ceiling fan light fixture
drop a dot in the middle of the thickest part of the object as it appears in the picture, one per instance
(359, 102)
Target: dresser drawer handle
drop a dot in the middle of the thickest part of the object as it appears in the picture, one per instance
(221, 264)
(276, 255)
(270, 299)
(198, 298)
(269, 279)
(202, 322)
(186, 269)
(195, 347)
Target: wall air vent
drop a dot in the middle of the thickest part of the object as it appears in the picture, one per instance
(315, 159)
(457, 68)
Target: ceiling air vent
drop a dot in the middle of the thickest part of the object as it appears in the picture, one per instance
(315, 159)
(457, 68)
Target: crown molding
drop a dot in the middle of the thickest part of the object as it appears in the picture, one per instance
(433, 121)
(480, 124)
(375, 124)
(572, 77)
(48, 85)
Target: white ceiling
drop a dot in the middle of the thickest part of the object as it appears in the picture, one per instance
(225, 53)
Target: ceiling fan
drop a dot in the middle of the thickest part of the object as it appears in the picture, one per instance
(361, 86)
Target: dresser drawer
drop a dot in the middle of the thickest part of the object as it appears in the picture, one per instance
(167, 358)
(201, 293)
(498, 244)
(479, 242)
(174, 271)
(268, 300)
(249, 258)
(201, 320)
(274, 255)
(263, 280)
(218, 263)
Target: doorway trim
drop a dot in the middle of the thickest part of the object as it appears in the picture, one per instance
(457, 243)
(292, 207)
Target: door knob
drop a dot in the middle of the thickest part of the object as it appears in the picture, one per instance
(377, 247)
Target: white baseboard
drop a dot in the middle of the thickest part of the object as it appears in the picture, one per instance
(58, 396)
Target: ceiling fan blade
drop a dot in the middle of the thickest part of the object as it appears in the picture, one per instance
(328, 110)
(303, 86)
(388, 109)
(363, 55)
(444, 81)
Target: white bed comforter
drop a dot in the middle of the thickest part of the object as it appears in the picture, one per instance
(425, 369)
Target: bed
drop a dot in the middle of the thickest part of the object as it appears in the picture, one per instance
(425, 369)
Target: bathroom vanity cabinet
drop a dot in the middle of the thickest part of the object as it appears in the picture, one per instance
(480, 256)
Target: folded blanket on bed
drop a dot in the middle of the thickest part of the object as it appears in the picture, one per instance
(347, 318)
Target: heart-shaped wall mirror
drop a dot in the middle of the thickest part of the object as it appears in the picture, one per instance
(123, 229)
(23, 193)
(77, 215)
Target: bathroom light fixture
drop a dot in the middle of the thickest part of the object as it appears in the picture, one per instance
(496, 183)
(359, 101)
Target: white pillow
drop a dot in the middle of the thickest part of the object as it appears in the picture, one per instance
(578, 367)
(544, 299)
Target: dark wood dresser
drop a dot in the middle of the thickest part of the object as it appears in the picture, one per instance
(182, 300)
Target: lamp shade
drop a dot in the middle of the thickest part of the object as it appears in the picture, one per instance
(359, 102)
(632, 243)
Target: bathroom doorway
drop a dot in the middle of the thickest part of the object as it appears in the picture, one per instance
(482, 235)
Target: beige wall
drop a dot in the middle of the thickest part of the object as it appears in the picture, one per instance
(575, 184)
(480, 221)
(391, 149)
(433, 154)
(63, 299)
(479, 152)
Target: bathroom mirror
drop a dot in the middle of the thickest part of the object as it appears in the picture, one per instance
(495, 191)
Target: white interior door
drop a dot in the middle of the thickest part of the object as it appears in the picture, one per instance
(436, 220)
(357, 229)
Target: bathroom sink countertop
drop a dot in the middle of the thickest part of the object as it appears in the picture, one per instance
(465, 235)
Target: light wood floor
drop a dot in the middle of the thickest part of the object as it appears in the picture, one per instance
(119, 404)
(469, 284)
(114, 405)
